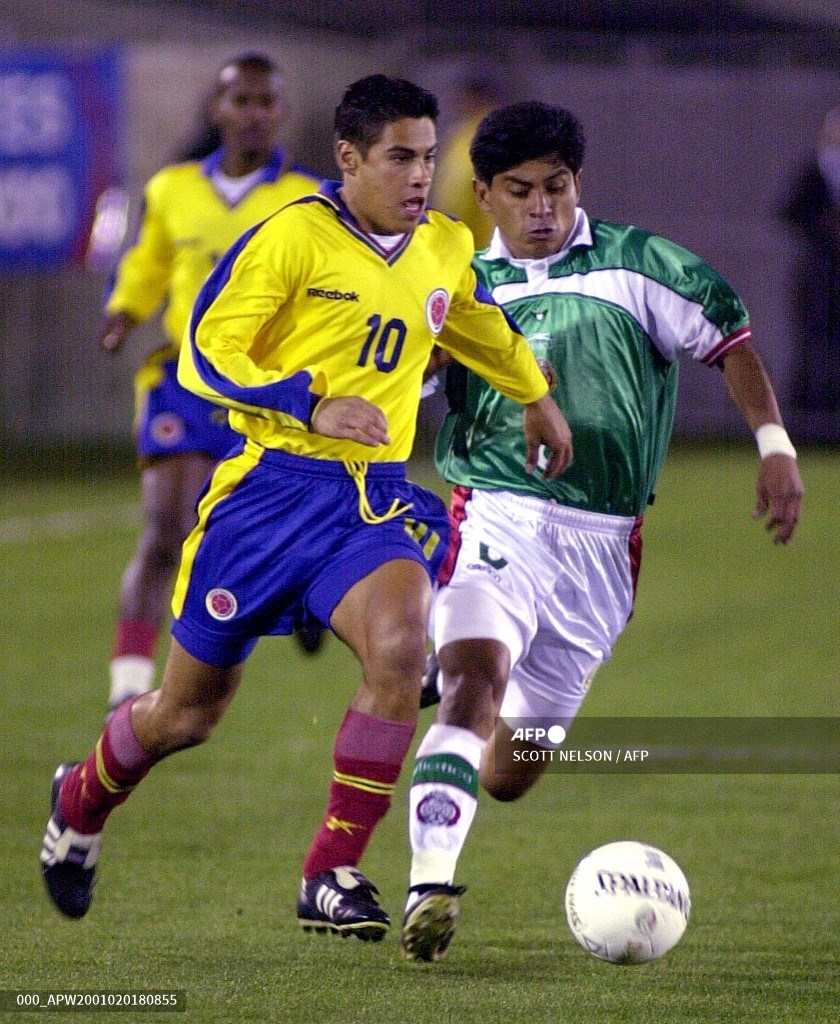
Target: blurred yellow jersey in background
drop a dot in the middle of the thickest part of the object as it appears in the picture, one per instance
(186, 226)
(453, 189)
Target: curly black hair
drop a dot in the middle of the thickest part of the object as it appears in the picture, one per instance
(511, 135)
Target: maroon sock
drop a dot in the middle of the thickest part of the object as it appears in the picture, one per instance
(134, 636)
(368, 756)
(106, 778)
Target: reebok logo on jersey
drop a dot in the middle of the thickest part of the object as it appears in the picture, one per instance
(322, 293)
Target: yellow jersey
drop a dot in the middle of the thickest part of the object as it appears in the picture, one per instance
(186, 226)
(307, 305)
(453, 190)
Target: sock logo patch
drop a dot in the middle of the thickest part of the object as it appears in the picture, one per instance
(338, 825)
(438, 808)
(446, 769)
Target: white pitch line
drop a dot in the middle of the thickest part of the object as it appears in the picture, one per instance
(21, 529)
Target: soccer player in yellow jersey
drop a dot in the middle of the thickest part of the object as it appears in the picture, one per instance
(192, 213)
(314, 330)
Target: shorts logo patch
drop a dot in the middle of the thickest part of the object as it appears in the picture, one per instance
(167, 429)
(221, 604)
(485, 556)
(438, 808)
(437, 306)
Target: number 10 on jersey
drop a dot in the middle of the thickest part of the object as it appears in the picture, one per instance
(391, 336)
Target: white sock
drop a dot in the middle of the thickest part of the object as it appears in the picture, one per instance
(439, 685)
(442, 801)
(130, 675)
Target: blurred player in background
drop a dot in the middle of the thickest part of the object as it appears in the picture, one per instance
(541, 573)
(315, 330)
(192, 213)
(475, 96)
(812, 209)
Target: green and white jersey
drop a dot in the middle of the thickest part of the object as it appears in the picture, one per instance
(611, 312)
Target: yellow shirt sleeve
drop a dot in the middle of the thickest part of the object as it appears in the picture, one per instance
(144, 273)
(481, 336)
(229, 354)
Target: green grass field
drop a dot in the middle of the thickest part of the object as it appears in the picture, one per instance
(200, 869)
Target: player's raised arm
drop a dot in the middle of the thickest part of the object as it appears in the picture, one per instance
(779, 487)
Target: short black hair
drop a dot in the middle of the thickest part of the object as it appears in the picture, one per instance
(511, 135)
(376, 101)
(252, 60)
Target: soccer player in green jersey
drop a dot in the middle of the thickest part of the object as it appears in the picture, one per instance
(314, 330)
(192, 212)
(541, 573)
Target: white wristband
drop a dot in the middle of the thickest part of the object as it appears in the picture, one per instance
(773, 440)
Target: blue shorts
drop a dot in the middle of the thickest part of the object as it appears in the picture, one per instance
(279, 541)
(171, 420)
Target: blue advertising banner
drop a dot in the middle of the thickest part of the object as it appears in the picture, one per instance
(61, 125)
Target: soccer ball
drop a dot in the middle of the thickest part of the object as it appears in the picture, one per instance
(627, 903)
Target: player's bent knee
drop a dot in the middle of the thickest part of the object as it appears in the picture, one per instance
(196, 729)
(475, 674)
(505, 787)
(472, 683)
(509, 769)
(161, 547)
(504, 790)
(399, 651)
(169, 729)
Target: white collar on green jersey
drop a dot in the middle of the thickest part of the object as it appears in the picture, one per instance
(581, 234)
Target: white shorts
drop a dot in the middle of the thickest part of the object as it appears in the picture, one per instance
(554, 584)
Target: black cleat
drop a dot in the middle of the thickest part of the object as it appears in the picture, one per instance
(310, 639)
(429, 694)
(342, 901)
(68, 858)
(430, 922)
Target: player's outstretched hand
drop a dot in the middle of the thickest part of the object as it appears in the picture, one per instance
(546, 425)
(351, 418)
(115, 329)
(779, 493)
